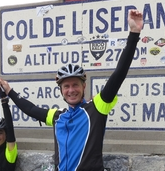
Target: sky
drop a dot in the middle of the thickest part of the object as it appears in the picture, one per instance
(19, 2)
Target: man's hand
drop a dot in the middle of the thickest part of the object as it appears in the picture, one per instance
(5, 86)
(135, 21)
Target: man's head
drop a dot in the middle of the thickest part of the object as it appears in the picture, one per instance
(70, 70)
(2, 131)
(71, 79)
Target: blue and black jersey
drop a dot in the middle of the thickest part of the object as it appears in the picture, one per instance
(79, 131)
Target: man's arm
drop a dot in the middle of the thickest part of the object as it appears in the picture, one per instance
(11, 147)
(28, 107)
(135, 20)
(10, 136)
(25, 105)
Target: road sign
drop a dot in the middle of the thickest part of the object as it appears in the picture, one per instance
(92, 34)
(140, 103)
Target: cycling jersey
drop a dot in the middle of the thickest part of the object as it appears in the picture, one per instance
(79, 131)
(8, 157)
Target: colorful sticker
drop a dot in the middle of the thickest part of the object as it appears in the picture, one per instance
(147, 39)
(17, 48)
(155, 51)
(160, 42)
(98, 46)
(12, 60)
(143, 61)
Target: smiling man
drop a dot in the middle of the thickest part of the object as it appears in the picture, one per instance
(79, 130)
(72, 90)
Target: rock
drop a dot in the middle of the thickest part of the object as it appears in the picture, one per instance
(41, 161)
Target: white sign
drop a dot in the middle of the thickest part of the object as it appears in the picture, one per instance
(141, 103)
(43, 93)
(91, 34)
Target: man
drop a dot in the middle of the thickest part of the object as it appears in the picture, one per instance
(8, 146)
(79, 130)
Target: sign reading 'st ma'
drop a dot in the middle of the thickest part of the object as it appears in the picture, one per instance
(91, 34)
(140, 103)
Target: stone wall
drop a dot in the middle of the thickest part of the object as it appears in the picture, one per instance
(39, 161)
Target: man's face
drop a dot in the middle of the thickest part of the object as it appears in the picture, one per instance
(2, 136)
(72, 90)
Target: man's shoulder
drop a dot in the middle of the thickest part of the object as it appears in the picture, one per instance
(61, 110)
